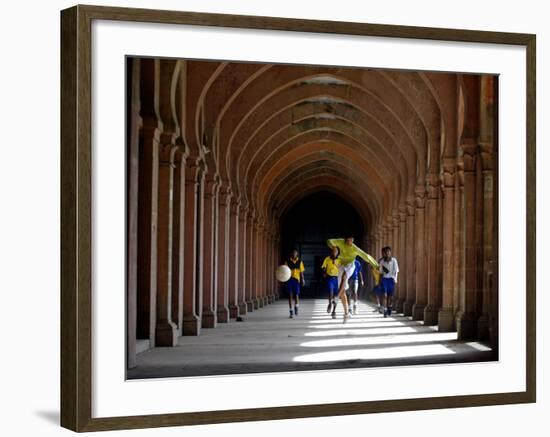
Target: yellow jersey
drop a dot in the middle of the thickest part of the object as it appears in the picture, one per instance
(330, 266)
(296, 267)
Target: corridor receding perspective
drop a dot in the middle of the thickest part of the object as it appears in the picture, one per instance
(235, 169)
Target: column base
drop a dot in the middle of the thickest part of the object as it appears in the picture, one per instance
(255, 303)
(242, 308)
(466, 326)
(430, 315)
(166, 335)
(222, 314)
(191, 325)
(408, 308)
(209, 319)
(266, 300)
(483, 327)
(399, 305)
(233, 311)
(249, 306)
(446, 320)
(418, 311)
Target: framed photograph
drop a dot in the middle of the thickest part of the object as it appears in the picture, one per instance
(254, 206)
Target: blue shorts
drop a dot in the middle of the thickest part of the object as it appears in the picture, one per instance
(388, 285)
(293, 286)
(332, 285)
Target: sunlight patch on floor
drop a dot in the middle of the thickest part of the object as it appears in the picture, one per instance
(380, 353)
(381, 340)
(371, 331)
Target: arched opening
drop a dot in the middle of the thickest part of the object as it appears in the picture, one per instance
(308, 224)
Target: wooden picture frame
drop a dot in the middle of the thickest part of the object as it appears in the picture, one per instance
(76, 217)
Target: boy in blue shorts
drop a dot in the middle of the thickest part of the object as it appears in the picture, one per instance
(296, 280)
(330, 268)
(355, 283)
(389, 270)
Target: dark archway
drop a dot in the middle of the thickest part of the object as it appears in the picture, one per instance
(308, 224)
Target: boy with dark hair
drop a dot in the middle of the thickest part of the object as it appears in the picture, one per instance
(389, 270)
(330, 268)
(296, 280)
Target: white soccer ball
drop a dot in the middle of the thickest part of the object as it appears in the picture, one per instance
(282, 273)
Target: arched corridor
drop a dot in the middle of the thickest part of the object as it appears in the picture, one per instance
(232, 164)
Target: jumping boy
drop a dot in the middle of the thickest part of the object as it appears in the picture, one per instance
(348, 253)
(389, 270)
(330, 268)
(296, 280)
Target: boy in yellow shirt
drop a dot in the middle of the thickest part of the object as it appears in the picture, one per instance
(296, 280)
(330, 268)
(348, 253)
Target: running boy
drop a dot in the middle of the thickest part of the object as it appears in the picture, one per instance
(389, 270)
(348, 253)
(356, 282)
(330, 268)
(296, 280)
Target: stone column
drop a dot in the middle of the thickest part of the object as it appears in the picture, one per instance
(269, 265)
(209, 316)
(410, 268)
(402, 260)
(132, 216)
(147, 235)
(256, 264)
(433, 302)
(395, 251)
(265, 264)
(466, 318)
(446, 314)
(250, 262)
(178, 229)
(483, 324)
(234, 256)
(278, 258)
(243, 260)
(458, 291)
(194, 176)
(166, 331)
(224, 199)
(421, 268)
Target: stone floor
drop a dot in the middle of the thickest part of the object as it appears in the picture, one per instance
(268, 341)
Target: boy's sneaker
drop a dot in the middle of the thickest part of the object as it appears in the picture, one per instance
(291, 316)
(333, 315)
(385, 313)
(296, 310)
(354, 308)
(349, 310)
(329, 307)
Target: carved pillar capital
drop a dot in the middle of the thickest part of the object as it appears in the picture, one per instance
(486, 152)
(195, 170)
(449, 168)
(420, 194)
(469, 149)
(403, 210)
(410, 205)
(167, 153)
(433, 185)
